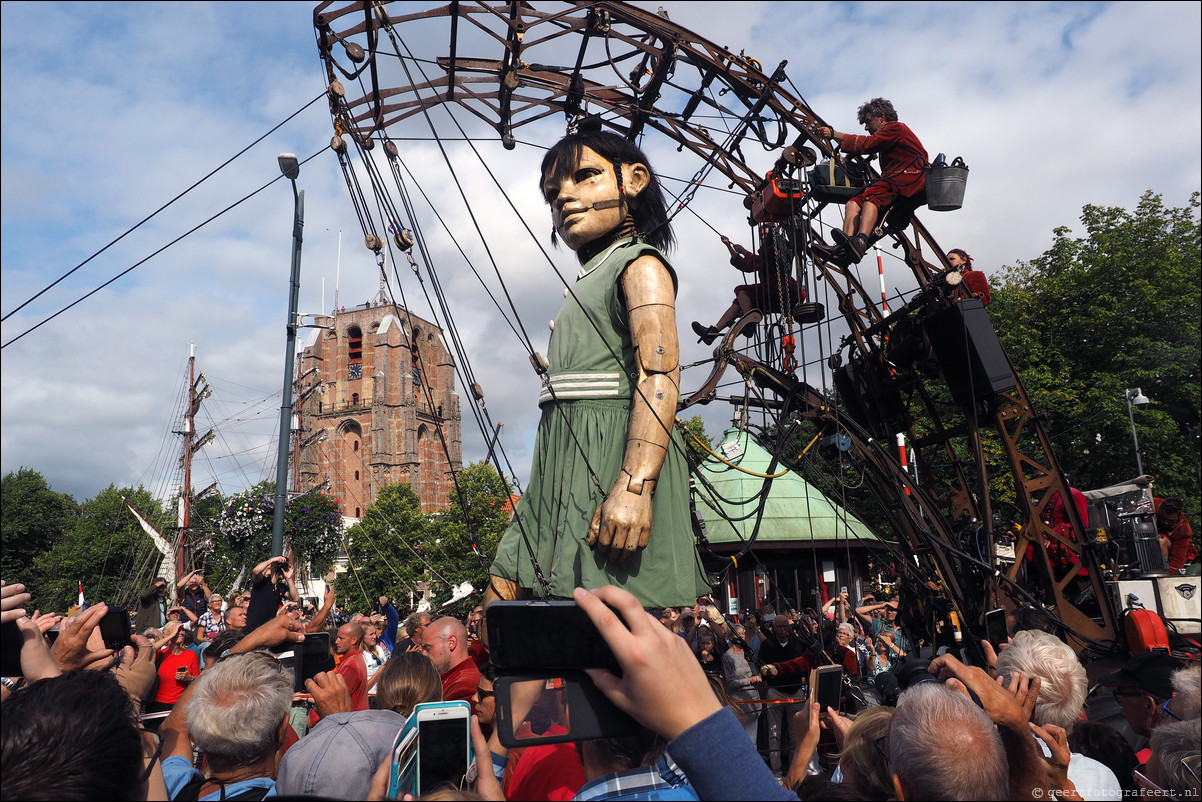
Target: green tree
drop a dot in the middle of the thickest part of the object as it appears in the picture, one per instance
(1093, 316)
(106, 550)
(33, 519)
(387, 550)
(469, 531)
(694, 434)
(394, 546)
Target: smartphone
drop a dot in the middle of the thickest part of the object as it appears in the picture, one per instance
(826, 686)
(444, 746)
(115, 628)
(556, 707)
(10, 650)
(545, 636)
(312, 658)
(995, 628)
(402, 776)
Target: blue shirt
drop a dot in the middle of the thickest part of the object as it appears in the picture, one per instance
(721, 762)
(178, 772)
(661, 781)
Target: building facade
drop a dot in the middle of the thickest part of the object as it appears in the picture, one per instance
(378, 406)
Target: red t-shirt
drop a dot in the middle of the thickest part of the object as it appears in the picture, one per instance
(170, 690)
(459, 683)
(353, 669)
(1180, 535)
(550, 771)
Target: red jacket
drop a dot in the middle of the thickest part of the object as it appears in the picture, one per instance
(903, 157)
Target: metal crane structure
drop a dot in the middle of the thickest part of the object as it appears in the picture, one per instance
(931, 369)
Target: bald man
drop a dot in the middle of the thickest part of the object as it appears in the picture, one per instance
(351, 666)
(446, 643)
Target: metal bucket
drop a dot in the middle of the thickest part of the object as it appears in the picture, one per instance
(945, 186)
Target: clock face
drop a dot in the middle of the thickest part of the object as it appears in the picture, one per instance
(355, 371)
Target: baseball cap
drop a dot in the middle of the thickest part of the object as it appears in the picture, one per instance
(1151, 672)
(338, 757)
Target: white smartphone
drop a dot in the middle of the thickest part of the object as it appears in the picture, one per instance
(444, 744)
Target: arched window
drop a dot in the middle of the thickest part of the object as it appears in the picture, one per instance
(356, 476)
(354, 345)
(355, 447)
(355, 399)
(357, 514)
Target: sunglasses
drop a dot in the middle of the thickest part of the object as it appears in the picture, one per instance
(483, 694)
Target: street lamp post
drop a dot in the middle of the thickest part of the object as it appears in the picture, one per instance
(1137, 398)
(290, 167)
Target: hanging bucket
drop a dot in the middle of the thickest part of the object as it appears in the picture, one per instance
(945, 185)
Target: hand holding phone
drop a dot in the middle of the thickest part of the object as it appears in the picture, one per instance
(444, 749)
(79, 644)
(662, 684)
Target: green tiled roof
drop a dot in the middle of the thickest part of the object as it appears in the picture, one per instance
(795, 512)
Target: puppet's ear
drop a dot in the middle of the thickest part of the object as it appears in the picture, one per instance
(635, 178)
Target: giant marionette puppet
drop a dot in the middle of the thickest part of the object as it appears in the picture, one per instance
(607, 501)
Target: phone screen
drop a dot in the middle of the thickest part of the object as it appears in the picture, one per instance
(441, 752)
(545, 636)
(995, 627)
(313, 658)
(826, 686)
(115, 628)
(10, 650)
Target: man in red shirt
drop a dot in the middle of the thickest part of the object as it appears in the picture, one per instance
(352, 667)
(903, 160)
(1176, 535)
(446, 643)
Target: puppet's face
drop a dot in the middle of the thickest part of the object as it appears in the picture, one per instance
(573, 198)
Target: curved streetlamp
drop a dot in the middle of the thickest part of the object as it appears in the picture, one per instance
(290, 167)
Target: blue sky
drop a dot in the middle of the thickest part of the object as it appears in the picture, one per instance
(110, 110)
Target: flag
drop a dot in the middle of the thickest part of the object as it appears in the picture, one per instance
(394, 228)
(82, 606)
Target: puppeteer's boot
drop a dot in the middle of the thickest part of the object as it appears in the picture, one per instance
(826, 252)
(705, 334)
(857, 246)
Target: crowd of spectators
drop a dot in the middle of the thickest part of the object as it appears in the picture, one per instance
(201, 707)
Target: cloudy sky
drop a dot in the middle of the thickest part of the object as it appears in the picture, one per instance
(112, 110)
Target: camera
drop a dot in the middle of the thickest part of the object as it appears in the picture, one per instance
(901, 676)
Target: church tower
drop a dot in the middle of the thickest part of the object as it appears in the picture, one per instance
(378, 406)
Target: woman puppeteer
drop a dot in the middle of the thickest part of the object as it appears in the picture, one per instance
(607, 501)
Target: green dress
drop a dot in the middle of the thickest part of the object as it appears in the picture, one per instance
(586, 399)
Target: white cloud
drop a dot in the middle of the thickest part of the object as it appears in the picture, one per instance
(111, 110)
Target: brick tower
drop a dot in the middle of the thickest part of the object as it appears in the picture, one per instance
(378, 407)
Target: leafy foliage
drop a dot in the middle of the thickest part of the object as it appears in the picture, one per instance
(1114, 310)
(106, 550)
(34, 519)
(694, 431)
(394, 546)
(312, 526)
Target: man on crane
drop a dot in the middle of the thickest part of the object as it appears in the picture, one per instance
(903, 159)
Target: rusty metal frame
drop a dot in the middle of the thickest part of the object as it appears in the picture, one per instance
(506, 89)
